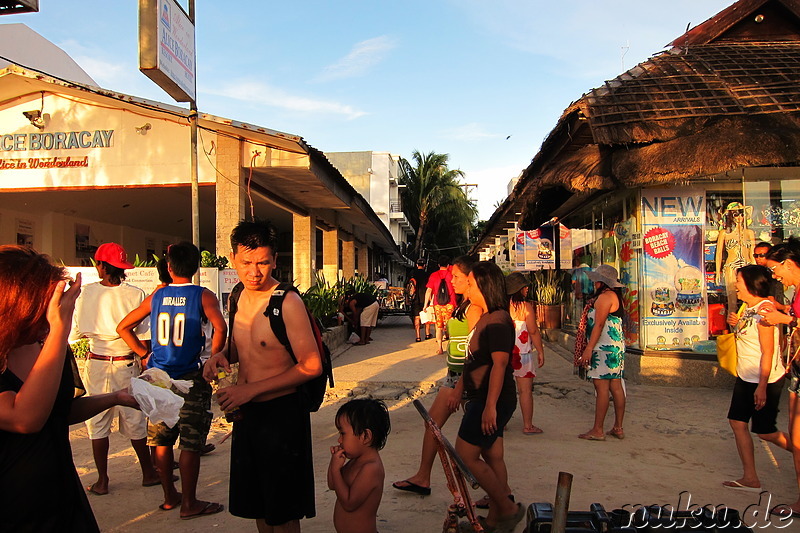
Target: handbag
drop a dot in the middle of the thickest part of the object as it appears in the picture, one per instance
(726, 350)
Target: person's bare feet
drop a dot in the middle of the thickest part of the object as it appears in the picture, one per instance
(100, 487)
(151, 481)
(171, 503)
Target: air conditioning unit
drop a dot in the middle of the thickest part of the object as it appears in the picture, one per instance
(13, 7)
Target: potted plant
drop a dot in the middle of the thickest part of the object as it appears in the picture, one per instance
(549, 296)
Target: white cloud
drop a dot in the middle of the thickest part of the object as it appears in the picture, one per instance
(264, 94)
(361, 58)
(469, 132)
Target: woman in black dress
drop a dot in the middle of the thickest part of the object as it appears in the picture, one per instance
(38, 381)
(491, 395)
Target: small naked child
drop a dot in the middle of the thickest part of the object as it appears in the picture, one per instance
(356, 471)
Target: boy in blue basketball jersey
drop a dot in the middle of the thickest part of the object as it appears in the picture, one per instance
(177, 313)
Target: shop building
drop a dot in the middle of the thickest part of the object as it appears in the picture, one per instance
(646, 172)
(80, 166)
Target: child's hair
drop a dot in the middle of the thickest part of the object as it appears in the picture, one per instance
(183, 259)
(163, 271)
(367, 414)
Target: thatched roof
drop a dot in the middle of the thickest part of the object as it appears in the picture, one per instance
(726, 96)
(675, 93)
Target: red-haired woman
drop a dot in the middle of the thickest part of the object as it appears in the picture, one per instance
(40, 487)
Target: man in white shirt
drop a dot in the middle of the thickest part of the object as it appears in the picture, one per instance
(111, 364)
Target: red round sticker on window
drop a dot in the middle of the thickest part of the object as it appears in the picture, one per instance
(658, 243)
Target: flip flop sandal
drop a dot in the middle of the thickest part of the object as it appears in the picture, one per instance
(410, 486)
(209, 509)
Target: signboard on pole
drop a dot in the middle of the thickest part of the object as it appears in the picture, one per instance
(167, 48)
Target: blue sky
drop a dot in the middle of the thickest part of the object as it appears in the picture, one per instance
(451, 76)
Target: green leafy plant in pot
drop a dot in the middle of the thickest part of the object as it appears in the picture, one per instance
(549, 295)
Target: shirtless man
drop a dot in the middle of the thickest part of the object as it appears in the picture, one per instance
(272, 472)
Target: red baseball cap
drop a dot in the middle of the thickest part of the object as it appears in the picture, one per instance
(113, 254)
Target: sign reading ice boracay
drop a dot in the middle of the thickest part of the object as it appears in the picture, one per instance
(59, 140)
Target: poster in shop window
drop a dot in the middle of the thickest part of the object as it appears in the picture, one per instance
(673, 294)
(519, 249)
(548, 240)
(565, 250)
(531, 249)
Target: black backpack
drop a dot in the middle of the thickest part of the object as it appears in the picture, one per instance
(313, 390)
(410, 291)
(442, 293)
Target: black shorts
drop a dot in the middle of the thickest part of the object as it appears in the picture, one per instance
(743, 406)
(415, 308)
(272, 471)
(470, 430)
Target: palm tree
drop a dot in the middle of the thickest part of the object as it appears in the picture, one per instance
(434, 198)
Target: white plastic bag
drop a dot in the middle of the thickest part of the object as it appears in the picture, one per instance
(427, 315)
(354, 338)
(160, 378)
(158, 402)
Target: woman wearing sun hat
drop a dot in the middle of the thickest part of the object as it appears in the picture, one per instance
(604, 351)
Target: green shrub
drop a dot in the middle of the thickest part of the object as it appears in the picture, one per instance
(323, 299)
(209, 260)
(548, 287)
(80, 349)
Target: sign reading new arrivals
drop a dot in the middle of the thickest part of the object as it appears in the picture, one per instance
(674, 304)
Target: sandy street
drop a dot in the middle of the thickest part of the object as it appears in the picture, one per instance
(677, 441)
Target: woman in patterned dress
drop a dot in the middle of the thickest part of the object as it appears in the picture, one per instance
(604, 355)
(527, 338)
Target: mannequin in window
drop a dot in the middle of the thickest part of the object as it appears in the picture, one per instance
(735, 245)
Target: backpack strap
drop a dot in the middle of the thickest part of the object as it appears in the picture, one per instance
(274, 312)
(233, 305)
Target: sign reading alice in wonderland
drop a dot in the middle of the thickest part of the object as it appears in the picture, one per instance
(673, 292)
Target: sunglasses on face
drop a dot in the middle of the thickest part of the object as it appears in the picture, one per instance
(772, 268)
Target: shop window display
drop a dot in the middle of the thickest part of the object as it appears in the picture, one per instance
(739, 216)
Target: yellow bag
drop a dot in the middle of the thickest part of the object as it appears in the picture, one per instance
(726, 349)
(726, 352)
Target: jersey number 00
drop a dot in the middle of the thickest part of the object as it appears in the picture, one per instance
(177, 326)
